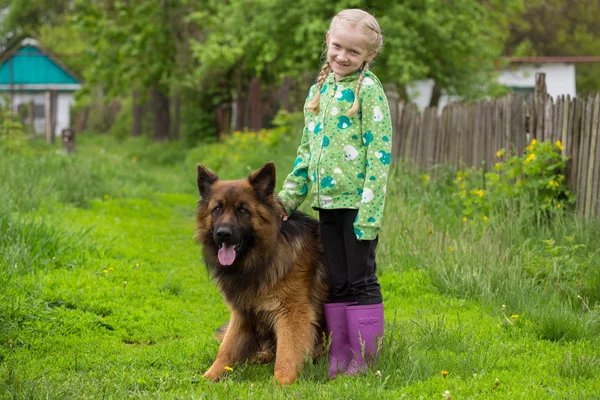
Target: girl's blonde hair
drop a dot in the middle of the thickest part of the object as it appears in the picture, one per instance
(366, 24)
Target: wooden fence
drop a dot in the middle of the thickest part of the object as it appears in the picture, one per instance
(468, 134)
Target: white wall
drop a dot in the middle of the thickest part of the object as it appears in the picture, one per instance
(560, 80)
(63, 110)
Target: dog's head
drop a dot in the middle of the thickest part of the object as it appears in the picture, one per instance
(237, 218)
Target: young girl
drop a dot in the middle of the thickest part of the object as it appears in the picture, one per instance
(345, 154)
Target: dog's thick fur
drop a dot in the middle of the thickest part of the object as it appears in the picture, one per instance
(277, 283)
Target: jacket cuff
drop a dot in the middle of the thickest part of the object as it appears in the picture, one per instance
(363, 233)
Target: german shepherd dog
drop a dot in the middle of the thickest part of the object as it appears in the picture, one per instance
(271, 273)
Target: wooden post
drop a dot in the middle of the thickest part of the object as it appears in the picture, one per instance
(48, 116)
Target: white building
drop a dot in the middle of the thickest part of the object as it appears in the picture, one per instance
(37, 81)
(519, 76)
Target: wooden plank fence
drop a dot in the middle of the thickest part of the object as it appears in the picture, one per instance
(469, 134)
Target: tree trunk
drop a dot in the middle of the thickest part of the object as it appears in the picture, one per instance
(436, 94)
(239, 104)
(177, 116)
(255, 106)
(160, 109)
(137, 111)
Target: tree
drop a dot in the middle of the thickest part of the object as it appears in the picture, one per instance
(132, 47)
(559, 28)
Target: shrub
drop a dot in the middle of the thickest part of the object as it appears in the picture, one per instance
(533, 180)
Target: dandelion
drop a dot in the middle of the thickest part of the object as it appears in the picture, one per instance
(462, 186)
(533, 142)
(459, 178)
(485, 218)
(444, 373)
(106, 197)
(378, 373)
(429, 231)
(514, 316)
(228, 369)
(479, 193)
(558, 205)
(464, 219)
(105, 271)
(450, 249)
(447, 395)
(111, 269)
(499, 153)
(503, 308)
(551, 183)
(498, 165)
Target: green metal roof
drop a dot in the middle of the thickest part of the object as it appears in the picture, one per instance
(29, 65)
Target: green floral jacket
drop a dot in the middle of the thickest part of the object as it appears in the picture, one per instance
(345, 158)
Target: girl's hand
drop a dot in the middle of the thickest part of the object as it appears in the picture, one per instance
(284, 216)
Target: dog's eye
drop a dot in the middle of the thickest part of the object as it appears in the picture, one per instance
(217, 210)
(242, 211)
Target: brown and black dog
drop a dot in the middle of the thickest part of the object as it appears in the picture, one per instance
(271, 273)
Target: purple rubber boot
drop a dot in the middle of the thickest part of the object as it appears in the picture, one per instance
(365, 331)
(340, 353)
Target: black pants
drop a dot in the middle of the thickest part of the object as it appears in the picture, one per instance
(350, 262)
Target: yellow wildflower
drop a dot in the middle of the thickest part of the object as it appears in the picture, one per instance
(106, 197)
(533, 142)
(530, 158)
(479, 193)
(105, 271)
(499, 154)
(134, 159)
(450, 249)
(459, 178)
(462, 186)
(444, 373)
(558, 205)
(485, 218)
(228, 369)
(559, 145)
(464, 219)
(429, 231)
(111, 269)
(515, 316)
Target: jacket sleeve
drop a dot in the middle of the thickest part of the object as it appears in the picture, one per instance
(377, 137)
(295, 186)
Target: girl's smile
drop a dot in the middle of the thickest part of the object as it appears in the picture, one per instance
(347, 51)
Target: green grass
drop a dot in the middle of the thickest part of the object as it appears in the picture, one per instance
(103, 293)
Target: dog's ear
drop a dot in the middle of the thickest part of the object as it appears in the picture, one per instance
(206, 178)
(263, 180)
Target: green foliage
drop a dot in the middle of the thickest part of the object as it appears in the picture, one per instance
(535, 179)
(11, 130)
(559, 28)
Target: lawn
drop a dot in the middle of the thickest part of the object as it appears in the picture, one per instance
(103, 293)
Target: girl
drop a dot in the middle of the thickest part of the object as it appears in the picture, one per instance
(345, 154)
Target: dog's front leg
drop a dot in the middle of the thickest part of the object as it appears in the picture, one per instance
(237, 343)
(295, 337)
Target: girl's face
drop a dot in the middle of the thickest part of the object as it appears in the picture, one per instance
(346, 51)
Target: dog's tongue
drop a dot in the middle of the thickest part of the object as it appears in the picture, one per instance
(226, 254)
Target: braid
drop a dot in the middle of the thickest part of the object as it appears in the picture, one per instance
(354, 107)
(313, 105)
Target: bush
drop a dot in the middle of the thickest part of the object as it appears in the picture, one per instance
(533, 180)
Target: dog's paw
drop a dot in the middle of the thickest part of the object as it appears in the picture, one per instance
(284, 379)
(212, 375)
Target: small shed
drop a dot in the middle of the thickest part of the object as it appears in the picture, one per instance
(40, 87)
